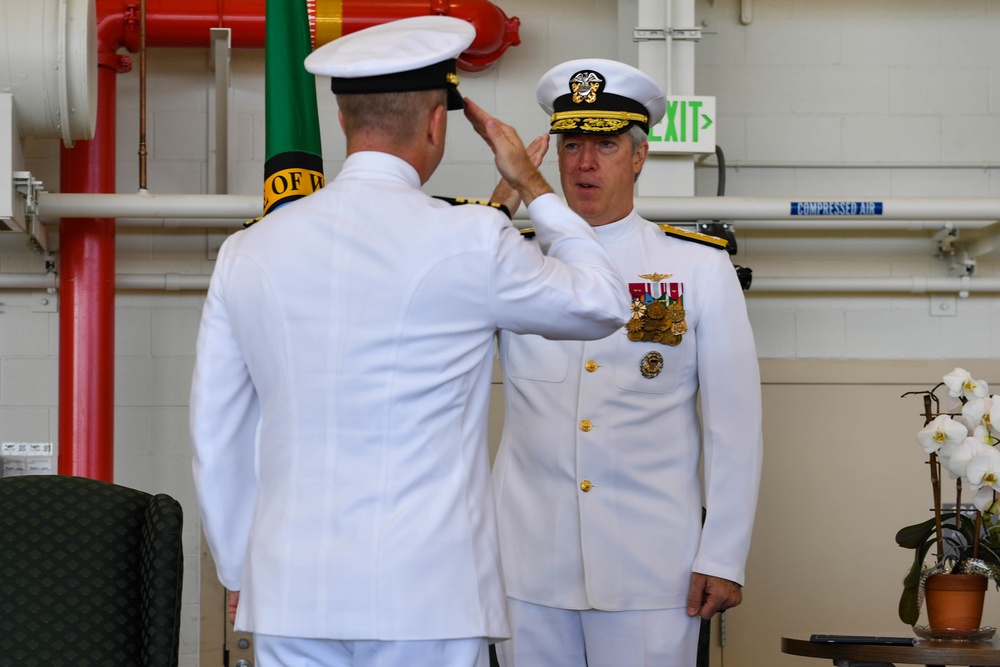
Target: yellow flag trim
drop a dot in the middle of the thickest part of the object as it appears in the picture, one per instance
(291, 183)
(329, 21)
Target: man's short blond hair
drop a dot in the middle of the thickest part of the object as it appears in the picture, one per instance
(392, 115)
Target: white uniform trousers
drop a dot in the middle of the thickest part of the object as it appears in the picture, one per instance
(550, 637)
(272, 651)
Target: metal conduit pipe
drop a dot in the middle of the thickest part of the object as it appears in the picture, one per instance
(199, 224)
(770, 208)
(805, 211)
(169, 282)
(195, 224)
(853, 225)
(736, 165)
(174, 282)
(145, 205)
(911, 284)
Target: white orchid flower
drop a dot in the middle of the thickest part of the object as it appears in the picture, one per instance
(968, 422)
(941, 431)
(961, 383)
(944, 457)
(994, 416)
(976, 410)
(982, 434)
(963, 455)
(985, 500)
(984, 469)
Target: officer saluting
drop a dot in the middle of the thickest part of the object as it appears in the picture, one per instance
(340, 394)
(598, 486)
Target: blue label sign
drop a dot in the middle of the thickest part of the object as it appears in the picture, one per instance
(836, 208)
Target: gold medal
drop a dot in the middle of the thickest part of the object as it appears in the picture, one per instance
(656, 322)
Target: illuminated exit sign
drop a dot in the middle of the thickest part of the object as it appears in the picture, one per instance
(687, 127)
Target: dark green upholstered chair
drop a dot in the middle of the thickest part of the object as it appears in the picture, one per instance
(90, 574)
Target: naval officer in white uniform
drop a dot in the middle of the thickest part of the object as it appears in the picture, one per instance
(597, 476)
(340, 393)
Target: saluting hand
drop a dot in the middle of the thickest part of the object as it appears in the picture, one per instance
(507, 195)
(516, 165)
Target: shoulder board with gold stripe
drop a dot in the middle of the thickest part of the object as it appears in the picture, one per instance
(697, 237)
(528, 232)
(457, 201)
(251, 222)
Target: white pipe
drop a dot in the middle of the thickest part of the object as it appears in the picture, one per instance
(857, 225)
(736, 165)
(231, 211)
(170, 282)
(777, 213)
(183, 223)
(52, 206)
(681, 62)
(760, 284)
(911, 284)
(654, 55)
(764, 208)
(47, 281)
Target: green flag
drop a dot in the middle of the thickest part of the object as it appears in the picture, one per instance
(294, 151)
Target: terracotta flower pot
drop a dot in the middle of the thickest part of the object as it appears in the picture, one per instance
(955, 601)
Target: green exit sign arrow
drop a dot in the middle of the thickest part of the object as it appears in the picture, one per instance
(687, 127)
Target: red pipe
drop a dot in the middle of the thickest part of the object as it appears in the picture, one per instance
(494, 31)
(87, 245)
(173, 23)
(87, 312)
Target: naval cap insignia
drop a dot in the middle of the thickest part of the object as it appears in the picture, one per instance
(585, 85)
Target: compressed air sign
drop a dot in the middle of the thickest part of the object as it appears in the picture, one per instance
(825, 208)
(687, 127)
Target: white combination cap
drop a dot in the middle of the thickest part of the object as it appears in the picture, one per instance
(597, 96)
(410, 54)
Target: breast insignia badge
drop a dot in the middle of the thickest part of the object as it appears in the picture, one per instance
(651, 365)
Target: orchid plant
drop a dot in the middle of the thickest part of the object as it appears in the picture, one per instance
(959, 438)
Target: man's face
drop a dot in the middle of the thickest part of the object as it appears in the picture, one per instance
(598, 175)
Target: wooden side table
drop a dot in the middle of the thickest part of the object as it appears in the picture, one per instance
(930, 653)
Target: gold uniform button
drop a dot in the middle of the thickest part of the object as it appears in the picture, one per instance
(591, 366)
(585, 486)
(585, 425)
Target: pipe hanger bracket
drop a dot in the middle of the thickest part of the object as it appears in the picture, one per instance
(660, 34)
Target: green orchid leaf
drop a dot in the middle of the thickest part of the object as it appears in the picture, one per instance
(913, 536)
(909, 612)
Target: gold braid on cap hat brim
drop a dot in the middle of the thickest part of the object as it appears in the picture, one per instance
(595, 121)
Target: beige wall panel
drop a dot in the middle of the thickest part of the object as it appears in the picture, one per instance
(842, 473)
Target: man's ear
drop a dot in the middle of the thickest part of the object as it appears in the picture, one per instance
(437, 124)
(340, 118)
(639, 158)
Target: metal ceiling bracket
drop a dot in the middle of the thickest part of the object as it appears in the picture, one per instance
(29, 187)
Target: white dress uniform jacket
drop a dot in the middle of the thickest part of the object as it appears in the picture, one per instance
(340, 396)
(597, 476)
